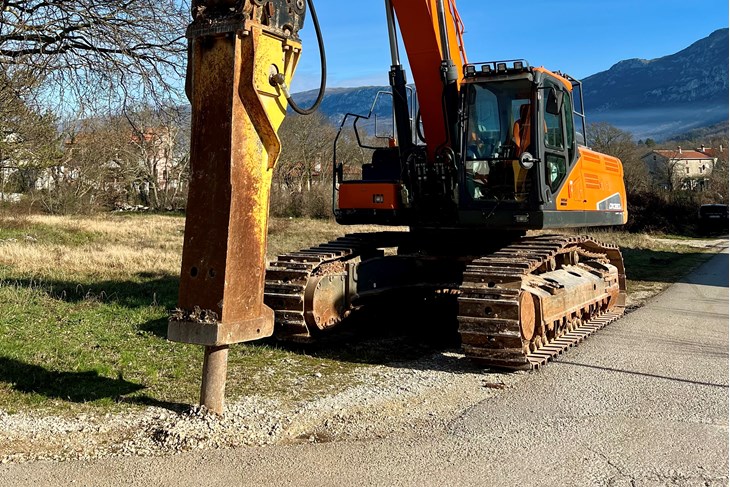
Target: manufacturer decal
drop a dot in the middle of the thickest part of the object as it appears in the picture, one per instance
(612, 203)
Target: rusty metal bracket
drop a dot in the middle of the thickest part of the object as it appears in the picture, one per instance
(248, 91)
(216, 334)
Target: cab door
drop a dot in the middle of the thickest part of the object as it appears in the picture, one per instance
(562, 189)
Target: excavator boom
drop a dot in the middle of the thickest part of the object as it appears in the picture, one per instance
(430, 41)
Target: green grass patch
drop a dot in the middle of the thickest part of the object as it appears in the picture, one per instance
(26, 231)
(653, 262)
(71, 350)
(660, 266)
(85, 341)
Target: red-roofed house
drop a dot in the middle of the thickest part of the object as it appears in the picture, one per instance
(710, 151)
(680, 169)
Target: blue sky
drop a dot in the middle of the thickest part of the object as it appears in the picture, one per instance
(579, 37)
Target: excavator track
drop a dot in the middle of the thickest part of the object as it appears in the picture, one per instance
(298, 282)
(520, 306)
(510, 303)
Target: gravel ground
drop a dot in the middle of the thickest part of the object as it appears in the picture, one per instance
(407, 397)
(404, 397)
(643, 403)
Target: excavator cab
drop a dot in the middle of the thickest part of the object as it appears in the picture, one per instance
(519, 136)
(497, 132)
(523, 163)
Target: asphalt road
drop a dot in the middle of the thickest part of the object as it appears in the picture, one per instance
(643, 402)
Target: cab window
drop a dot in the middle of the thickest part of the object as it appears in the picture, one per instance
(554, 130)
(556, 152)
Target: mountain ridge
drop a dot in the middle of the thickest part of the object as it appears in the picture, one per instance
(696, 73)
(658, 98)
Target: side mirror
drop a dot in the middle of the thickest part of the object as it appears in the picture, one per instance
(527, 161)
(554, 103)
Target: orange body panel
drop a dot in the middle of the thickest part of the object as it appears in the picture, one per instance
(565, 82)
(596, 182)
(369, 196)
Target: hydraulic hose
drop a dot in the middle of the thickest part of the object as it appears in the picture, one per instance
(419, 129)
(279, 79)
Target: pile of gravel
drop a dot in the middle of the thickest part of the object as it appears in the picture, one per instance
(386, 400)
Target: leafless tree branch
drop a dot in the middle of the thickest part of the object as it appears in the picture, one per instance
(86, 51)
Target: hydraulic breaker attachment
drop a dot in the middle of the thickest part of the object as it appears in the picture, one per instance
(235, 48)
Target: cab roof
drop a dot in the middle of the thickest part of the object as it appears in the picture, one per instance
(510, 67)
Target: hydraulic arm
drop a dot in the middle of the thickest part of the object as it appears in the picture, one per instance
(236, 47)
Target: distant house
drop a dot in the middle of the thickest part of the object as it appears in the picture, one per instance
(18, 167)
(675, 169)
(156, 146)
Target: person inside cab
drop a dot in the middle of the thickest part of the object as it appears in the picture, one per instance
(522, 137)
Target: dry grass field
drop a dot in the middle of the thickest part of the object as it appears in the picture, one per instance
(84, 306)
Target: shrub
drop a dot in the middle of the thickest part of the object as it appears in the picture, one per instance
(672, 213)
(315, 203)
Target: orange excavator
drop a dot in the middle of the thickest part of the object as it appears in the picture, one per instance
(481, 155)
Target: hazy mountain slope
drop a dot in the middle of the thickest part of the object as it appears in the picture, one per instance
(665, 96)
(657, 98)
(340, 101)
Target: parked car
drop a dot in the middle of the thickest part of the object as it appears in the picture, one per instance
(713, 219)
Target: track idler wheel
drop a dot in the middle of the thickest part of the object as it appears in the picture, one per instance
(528, 321)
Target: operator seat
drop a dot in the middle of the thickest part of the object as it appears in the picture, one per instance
(521, 129)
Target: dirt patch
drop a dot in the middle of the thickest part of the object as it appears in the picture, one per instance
(710, 244)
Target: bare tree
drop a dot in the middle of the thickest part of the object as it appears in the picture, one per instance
(95, 171)
(608, 139)
(81, 50)
(160, 140)
(718, 185)
(306, 151)
(29, 139)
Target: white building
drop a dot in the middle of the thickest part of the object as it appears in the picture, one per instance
(681, 169)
